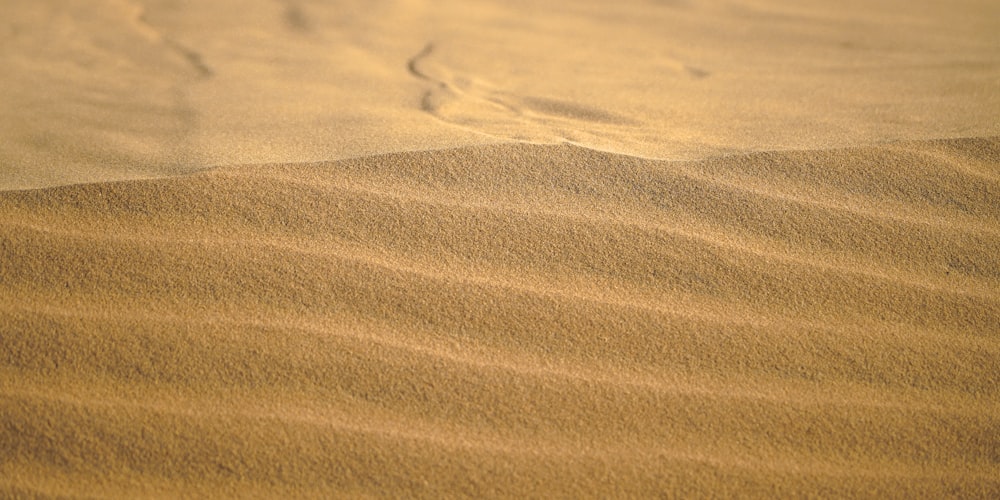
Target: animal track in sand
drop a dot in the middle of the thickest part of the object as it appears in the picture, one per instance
(480, 106)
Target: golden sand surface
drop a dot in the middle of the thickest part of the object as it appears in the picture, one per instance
(743, 248)
(98, 90)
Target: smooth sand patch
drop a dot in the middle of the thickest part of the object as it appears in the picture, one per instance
(115, 89)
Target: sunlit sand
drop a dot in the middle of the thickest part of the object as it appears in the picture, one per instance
(500, 249)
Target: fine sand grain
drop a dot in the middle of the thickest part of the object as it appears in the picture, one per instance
(484, 248)
(511, 320)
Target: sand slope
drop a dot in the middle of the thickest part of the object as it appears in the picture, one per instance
(511, 320)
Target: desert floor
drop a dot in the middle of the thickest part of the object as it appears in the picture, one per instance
(451, 248)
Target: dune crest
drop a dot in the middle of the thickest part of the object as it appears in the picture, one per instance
(510, 320)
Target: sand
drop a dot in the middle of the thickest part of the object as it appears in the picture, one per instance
(496, 249)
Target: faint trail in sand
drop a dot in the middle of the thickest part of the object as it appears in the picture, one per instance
(478, 106)
(190, 55)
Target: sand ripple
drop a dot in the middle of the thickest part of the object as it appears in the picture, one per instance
(510, 320)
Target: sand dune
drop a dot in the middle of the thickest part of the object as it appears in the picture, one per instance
(472, 248)
(512, 320)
